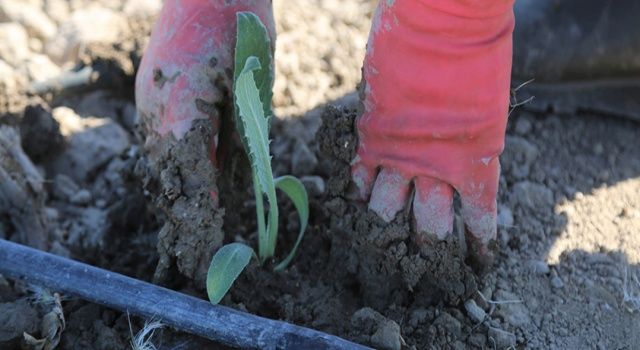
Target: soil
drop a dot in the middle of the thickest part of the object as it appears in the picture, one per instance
(567, 268)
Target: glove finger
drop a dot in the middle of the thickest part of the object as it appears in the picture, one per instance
(390, 193)
(479, 210)
(363, 177)
(432, 209)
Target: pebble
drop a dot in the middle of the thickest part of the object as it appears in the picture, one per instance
(539, 267)
(31, 17)
(39, 67)
(52, 214)
(387, 336)
(519, 156)
(514, 313)
(505, 217)
(82, 197)
(474, 311)
(556, 282)
(142, 9)
(314, 184)
(92, 142)
(478, 340)
(450, 324)
(502, 338)
(58, 10)
(419, 316)
(532, 195)
(14, 44)
(93, 24)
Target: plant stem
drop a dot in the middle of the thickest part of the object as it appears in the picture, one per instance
(273, 220)
(263, 238)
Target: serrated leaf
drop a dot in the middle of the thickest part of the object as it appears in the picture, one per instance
(254, 124)
(256, 135)
(294, 189)
(252, 39)
(225, 267)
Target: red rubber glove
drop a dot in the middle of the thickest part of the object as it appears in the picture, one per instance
(187, 68)
(437, 75)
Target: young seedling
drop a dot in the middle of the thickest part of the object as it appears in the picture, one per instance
(253, 81)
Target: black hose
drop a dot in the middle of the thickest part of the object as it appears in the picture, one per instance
(218, 323)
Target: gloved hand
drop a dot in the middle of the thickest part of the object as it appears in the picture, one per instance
(436, 96)
(187, 70)
(183, 96)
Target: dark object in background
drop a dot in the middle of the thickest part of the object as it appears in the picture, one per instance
(583, 55)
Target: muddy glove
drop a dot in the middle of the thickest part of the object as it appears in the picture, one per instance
(436, 96)
(183, 96)
(186, 72)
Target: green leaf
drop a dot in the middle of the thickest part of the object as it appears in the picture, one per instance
(226, 266)
(256, 134)
(295, 190)
(253, 40)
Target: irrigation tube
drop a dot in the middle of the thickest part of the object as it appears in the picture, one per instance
(218, 323)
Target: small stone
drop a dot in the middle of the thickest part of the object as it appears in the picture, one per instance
(89, 229)
(474, 311)
(14, 44)
(35, 45)
(523, 126)
(92, 24)
(303, 161)
(532, 195)
(314, 184)
(92, 143)
(39, 67)
(539, 267)
(82, 197)
(31, 17)
(366, 319)
(58, 10)
(519, 156)
(142, 9)
(501, 338)
(478, 340)
(52, 213)
(511, 309)
(387, 337)
(450, 324)
(418, 316)
(505, 217)
(556, 282)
